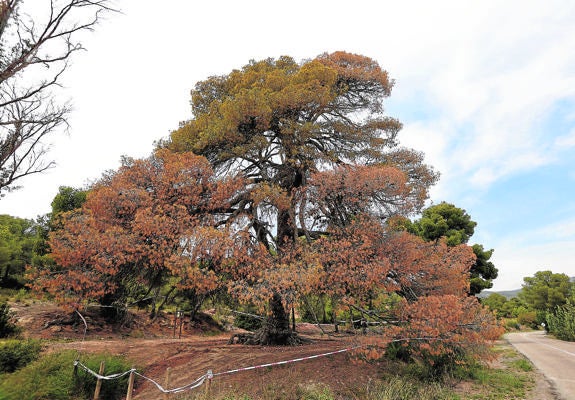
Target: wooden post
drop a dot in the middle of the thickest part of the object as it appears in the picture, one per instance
(181, 323)
(175, 322)
(167, 383)
(99, 381)
(130, 386)
(209, 377)
(75, 370)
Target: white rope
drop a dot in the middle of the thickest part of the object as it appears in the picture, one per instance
(104, 377)
(287, 361)
(198, 382)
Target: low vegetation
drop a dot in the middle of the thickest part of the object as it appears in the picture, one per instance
(50, 377)
(16, 354)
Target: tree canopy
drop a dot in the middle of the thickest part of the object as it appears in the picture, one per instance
(444, 220)
(280, 122)
(546, 290)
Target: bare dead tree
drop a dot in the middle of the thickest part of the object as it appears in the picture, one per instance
(34, 54)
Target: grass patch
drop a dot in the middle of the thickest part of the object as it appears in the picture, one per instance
(51, 377)
(511, 380)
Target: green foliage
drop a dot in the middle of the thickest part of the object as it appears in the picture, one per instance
(51, 378)
(16, 354)
(444, 220)
(17, 241)
(528, 318)
(495, 302)
(483, 271)
(7, 326)
(545, 291)
(523, 365)
(453, 224)
(67, 199)
(111, 389)
(561, 322)
(512, 324)
(513, 307)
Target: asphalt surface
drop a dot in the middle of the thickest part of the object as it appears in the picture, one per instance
(554, 358)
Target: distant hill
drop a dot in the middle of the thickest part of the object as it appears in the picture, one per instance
(507, 293)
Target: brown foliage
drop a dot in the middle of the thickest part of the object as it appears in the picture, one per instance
(151, 220)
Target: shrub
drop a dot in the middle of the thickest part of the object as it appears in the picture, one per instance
(528, 318)
(51, 377)
(512, 324)
(16, 354)
(562, 322)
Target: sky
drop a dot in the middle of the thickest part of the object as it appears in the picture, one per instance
(486, 89)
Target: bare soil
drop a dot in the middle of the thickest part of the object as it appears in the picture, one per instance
(156, 347)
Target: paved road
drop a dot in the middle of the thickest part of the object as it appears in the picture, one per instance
(554, 358)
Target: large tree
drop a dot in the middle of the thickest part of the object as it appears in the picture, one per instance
(34, 54)
(301, 171)
(546, 290)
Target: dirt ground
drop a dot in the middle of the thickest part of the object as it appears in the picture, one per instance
(155, 348)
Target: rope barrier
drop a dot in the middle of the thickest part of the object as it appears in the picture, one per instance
(104, 377)
(285, 362)
(209, 375)
(197, 383)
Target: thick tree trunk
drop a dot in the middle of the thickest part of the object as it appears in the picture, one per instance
(275, 330)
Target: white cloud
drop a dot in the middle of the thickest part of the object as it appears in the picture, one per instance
(565, 142)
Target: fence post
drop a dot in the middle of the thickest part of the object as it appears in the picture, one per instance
(99, 381)
(209, 377)
(167, 383)
(75, 373)
(130, 385)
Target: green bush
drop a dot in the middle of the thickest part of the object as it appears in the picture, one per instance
(51, 378)
(16, 354)
(428, 366)
(562, 322)
(7, 326)
(528, 318)
(512, 324)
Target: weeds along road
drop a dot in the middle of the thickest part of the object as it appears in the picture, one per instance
(554, 358)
